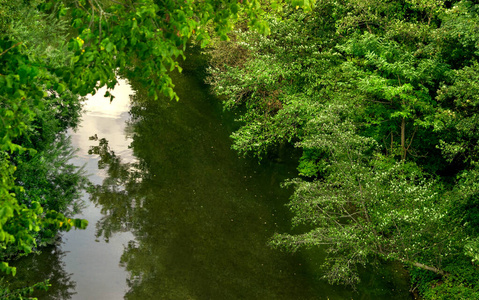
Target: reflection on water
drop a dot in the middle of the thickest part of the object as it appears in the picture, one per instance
(45, 265)
(95, 263)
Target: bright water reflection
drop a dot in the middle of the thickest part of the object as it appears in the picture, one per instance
(93, 263)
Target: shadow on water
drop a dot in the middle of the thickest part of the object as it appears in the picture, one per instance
(201, 216)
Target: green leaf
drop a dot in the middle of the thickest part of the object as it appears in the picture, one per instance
(109, 47)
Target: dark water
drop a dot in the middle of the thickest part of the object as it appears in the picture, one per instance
(177, 215)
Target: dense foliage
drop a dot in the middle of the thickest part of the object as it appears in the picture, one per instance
(381, 97)
(40, 189)
(53, 52)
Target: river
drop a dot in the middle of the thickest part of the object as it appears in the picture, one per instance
(176, 214)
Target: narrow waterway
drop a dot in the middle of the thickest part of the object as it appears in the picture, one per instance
(176, 214)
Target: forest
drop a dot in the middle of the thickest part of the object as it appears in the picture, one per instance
(380, 98)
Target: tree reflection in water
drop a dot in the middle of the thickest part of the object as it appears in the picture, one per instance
(114, 195)
(48, 264)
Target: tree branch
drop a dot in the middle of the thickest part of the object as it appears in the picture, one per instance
(17, 44)
(429, 268)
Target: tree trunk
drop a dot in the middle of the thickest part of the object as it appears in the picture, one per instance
(403, 138)
(429, 268)
(392, 143)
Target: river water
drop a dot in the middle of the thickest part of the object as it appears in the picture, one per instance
(176, 214)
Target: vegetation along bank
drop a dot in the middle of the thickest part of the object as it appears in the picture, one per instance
(380, 96)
